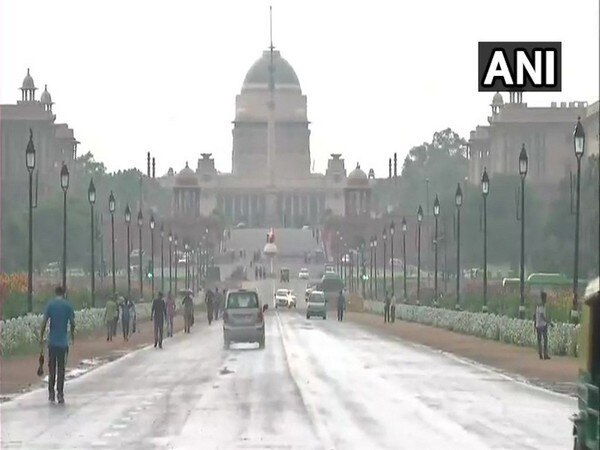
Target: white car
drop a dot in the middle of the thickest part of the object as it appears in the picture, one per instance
(303, 275)
(285, 298)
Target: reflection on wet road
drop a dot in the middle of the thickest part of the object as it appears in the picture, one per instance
(317, 385)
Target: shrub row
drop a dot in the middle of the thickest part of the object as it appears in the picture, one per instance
(562, 337)
(24, 332)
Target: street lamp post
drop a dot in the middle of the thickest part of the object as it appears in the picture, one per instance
(371, 267)
(127, 222)
(384, 236)
(140, 220)
(362, 268)
(375, 262)
(523, 163)
(30, 164)
(436, 214)
(111, 209)
(162, 257)
(579, 147)
(458, 199)
(404, 258)
(92, 200)
(170, 237)
(392, 231)
(186, 247)
(176, 242)
(64, 184)
(419, 221)
(485, 190)
(152, 224)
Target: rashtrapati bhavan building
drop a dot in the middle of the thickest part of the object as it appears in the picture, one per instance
(271, 183)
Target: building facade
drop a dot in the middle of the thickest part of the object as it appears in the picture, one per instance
(271, 183)
(54, 143)
(546, 132)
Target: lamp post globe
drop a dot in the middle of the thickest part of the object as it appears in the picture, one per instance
(127, 215)
(64, 177)
(140, 219)
(579, 139)
(92, 192)
(485, 182)
(436, 206)
(30, 153)
(523, 162)
(458, 196)
(111, 203)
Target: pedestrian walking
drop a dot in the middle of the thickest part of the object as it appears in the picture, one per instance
(217, 303)
(170, 314)
(116, 318)
(125, 317)
(341, 306)
(541, 323)
(59, 312)
(159, 311)
(393, 308)
(111, 310)
(209, 300)
(188, 310)
(132, 316)
(386, 307)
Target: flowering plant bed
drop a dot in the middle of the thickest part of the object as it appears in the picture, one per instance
(562, 337)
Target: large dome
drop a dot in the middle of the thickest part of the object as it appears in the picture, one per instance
(283, 73)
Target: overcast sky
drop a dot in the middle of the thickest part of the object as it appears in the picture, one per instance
(380, 76)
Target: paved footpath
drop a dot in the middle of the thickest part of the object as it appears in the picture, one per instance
(558, 373)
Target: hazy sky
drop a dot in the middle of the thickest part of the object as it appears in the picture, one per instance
(380, 76)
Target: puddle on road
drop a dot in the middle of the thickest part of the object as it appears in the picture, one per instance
(225, 371)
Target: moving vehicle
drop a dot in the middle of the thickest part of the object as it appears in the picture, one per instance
(304, 275)
(317, 305)
(284, 275)
(329, 268)
(285, 298)
(331, 285)
(586, 423)
(243, 318)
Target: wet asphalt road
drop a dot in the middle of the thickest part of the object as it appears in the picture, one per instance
(317, 385)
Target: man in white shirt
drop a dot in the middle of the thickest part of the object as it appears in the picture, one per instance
(541, 322)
